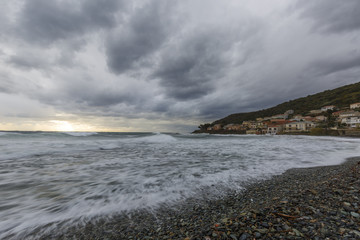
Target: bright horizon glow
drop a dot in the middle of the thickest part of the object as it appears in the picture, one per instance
(63, 126)
(70, 123)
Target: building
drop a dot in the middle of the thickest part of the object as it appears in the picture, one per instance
(337, 114)
(229, 126)
(298, 118)
(247, 123)
(315, 111)
(299, 126)
(274, 129)
(309, 119)
(320, 118)
(329, 107)
(354, 105)
(253, 125)
(251, 131)
(217, 127)
(352, 122)
(348, 114)
(234, 127)
(279, 121)
(280, 116)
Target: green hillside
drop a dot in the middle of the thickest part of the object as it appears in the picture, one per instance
(341, 97)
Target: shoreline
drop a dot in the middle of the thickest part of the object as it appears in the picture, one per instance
(329, 133)
(312, 203)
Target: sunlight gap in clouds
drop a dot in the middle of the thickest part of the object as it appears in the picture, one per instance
(62, 126)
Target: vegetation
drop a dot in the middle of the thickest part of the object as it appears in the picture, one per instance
(323, 132)
(341, 97)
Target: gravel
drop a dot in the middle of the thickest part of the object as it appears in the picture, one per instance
(311, 203)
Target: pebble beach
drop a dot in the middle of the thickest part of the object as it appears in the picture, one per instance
(304, 203)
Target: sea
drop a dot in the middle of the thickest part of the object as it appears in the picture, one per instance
(50, 178)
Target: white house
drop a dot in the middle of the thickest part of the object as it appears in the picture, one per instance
(349, 114)
(351, 121)
(299, 126)
(354, 105)
(280, 116)
(298, 117)
(329, 107)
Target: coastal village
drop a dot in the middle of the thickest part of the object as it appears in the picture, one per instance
(329, 117)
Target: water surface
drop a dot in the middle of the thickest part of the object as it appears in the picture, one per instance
(48, 177)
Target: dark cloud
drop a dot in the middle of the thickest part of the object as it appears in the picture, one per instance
(331, 15)
(145, 31)
(190, 69)
(44, 22)
(336, 64)
(188, 72)
(108, 98)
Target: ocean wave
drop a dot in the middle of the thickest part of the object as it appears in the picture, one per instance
(7, 133)
(80, 134)
(158, 138)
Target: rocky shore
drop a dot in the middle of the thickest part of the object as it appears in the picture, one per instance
(311, 203)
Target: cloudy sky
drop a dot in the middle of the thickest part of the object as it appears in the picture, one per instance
(166, 65)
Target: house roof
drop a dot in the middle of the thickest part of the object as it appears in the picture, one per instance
(338, 112)
(274, 125)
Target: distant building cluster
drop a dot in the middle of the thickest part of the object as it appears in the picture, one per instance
(289, 123)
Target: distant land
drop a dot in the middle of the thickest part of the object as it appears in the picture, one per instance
(337, 107)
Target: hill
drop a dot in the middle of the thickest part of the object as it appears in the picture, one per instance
(340, 97)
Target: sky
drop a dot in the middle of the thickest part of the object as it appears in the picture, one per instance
(166, 65)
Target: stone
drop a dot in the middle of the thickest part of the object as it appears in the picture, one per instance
(262, 230)
(233, 237)
(354, 214)
(244, 236)
(342, 230)
(265, 224)
(297, 232)
(286, 227)
(357, 233)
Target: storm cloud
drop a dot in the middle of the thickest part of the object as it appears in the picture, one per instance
(45, 22)
(145, 31)
(330, 16)
(150, 64)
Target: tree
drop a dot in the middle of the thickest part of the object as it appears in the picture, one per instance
(204, 126)
(330, 118)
